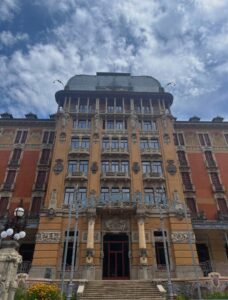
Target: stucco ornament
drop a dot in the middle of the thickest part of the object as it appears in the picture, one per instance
(48, 237)
(116, 225)
(182, 236)
(58, 167)
(171, 168)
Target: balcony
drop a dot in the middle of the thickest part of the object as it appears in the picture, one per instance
(115, 175)
(118, 151)
(77, 175)
(153, 176)
(24, 267)
(201, 222)
(151, 151)
(79, 151)
(218, 188)
(8, 186)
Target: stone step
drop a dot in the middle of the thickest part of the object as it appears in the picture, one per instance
(121, 290)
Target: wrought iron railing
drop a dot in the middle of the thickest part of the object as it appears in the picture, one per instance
(24, 267)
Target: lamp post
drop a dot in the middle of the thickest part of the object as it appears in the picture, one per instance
(161, 206)
(181, 209)
(72, 204)
(9, 256)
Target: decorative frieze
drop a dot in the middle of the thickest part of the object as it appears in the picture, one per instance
(48, 237)
(116, 225)
(182, 236)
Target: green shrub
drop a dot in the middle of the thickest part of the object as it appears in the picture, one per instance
(20, 293)
(217, 295)
(42, 291)
(182, 297)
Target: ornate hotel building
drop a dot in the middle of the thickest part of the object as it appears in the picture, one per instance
(116, 171)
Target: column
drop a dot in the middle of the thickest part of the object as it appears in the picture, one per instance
(90, 237)
(142, 241)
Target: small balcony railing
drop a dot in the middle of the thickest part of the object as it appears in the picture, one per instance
(24, 267)
(114, 175)
(145, 151)
(111, 150)
(77, 175)
(80, 150)
(153, 176)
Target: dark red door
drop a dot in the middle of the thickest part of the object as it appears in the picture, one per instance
(116, 261)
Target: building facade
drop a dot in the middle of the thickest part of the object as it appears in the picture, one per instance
(123, 168)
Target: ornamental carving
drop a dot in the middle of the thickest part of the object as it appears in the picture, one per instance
(116, 225)
(182, 236)
(166, 138)
(136, 167)
(171, 168)
(58, 167)
(94, 167)
(48, 237)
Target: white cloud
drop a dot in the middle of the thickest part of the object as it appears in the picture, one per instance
(8, 39)
(8, 8)
(182, 41)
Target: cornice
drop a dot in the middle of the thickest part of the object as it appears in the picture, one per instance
(201, 124)
(27, 123)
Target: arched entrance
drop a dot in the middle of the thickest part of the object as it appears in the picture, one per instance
(116, 260)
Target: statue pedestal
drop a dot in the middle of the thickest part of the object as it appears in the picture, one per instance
(9, 260)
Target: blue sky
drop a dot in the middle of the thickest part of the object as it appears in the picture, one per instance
(181, 41)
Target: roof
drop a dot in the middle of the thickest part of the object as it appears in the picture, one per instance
(103, 81)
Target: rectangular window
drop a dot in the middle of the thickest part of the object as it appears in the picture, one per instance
(36, 205)
(82, 108)
(81, 124)
(226, 137)
(110, 124)
(186, 181)
(160, 195)
(146, 167)
(160, 254)
(83, 166)
(69, 196)
(21, 137)
(105, 166)
(41, 175)
(105, 194)
(123, 144)
(204, 139)
(105, 143)
(126, 194)
(182, 158)
(178, 139)
(222, 206)
(144, 144)
(115, 194)
(119, 125)
(110, 107)
(75, 143)
(4, 201)
(81, 196)
(85, 143)
(191, 203)
(72, 167)
(10, 179)
(209, 158)
(16, 156)
(216, 181)
(69, 251)
(115, 166)
(149, 196)
(115, 143)
(124, 166)
(45, 156)
(154, 144)
(156, 167)
(119, 107)
(48, 137)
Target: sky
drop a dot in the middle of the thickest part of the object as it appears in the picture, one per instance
(180, 41)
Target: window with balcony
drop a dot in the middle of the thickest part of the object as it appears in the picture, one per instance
(152, 167)
(68, 196)
(178, 139)
(216, 181)
(155, 196)
(119, 107)
(83, 108)
(204, 139)
(186, 181)
(105, 166)
(21, 136)
(82, 124)
(110, 106)
(119, 125)
(105, 194)
(115, 166)
(10, 179)
(40, 179)
(83, 166)
(149, 196)
(124, 166)
(105, 143)
(148, 125)
(16, 156)
(209, 159)
(144, 144)
(81, 195)
(75, 143)
(222, 205)
(35, 207)
(123, 143)
(48, 137)
(115, 143)
(4, 201)
(44, 159)
(126, 194)
(110, 124)
(191, 203)
(85, 143)
(182, 158)
(154, 143)
(72, 167)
